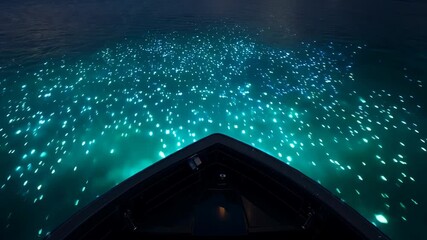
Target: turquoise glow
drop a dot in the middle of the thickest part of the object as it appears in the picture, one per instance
(381, 218)
(74, 128)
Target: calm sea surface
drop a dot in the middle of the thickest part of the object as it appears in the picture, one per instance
(93, 91)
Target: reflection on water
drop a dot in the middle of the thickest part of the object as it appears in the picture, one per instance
(33, 30)
(94, 91)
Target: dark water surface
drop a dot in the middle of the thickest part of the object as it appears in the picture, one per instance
(93, 91)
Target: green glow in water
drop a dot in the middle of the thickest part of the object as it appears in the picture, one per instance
(381, 218)
(100, 119)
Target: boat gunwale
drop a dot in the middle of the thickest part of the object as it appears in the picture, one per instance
(323, 195)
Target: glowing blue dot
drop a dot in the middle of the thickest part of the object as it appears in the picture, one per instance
(381, 218)
(43, 154)
(162, 154)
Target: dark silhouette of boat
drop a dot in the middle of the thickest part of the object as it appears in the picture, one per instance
(218, 187)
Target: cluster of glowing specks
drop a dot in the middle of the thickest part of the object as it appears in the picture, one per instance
(71, 129)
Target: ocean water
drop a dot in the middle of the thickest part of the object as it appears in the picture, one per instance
(91, 92)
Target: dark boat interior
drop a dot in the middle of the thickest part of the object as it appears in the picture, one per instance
(218, 191)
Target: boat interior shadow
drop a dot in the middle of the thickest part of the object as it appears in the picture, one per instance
(217, 190)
